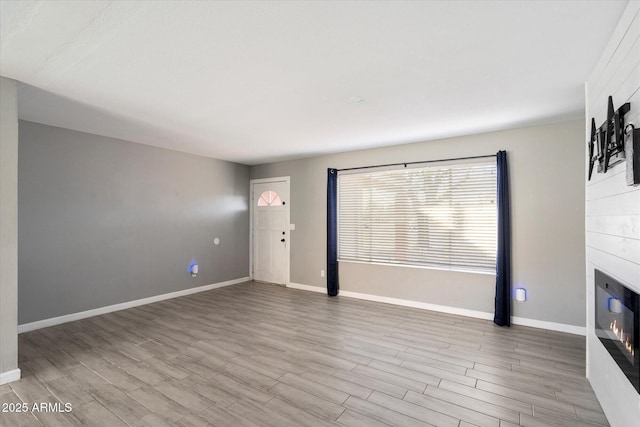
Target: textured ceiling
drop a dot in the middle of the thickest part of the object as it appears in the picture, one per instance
(253, 82)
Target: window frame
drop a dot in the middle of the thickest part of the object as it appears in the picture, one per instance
(426, 262)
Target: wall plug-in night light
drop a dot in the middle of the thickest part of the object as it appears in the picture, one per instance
(521, 295)
(193, 269)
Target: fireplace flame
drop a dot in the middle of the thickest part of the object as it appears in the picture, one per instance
(624, 338)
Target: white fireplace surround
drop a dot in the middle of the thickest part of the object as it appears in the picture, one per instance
(613, 213)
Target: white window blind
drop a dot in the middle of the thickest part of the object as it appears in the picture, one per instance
(438, 216)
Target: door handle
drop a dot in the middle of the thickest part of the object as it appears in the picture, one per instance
(282, 240)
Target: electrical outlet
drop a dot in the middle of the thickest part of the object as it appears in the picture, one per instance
(321, 273)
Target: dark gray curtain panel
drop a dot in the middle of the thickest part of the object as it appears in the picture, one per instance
(502, 315)
(332, 232)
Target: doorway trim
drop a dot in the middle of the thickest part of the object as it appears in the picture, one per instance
(252, 200)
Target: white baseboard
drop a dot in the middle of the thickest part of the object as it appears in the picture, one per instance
(419, 304)
(9, 376)
(551, 326)
(45, 323)
(307, 288)
(522, 321)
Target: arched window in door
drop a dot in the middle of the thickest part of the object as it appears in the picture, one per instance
(269, 198)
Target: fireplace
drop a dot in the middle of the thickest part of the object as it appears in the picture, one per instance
(617, 324)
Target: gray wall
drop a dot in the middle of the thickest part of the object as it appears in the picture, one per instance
(104, 221)
(546, 171)
(8, 226)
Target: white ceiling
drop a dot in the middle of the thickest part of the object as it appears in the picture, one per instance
(254, 82)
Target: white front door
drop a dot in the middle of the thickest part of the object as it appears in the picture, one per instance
(271, 231)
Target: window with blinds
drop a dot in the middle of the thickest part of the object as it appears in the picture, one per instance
(438, 216)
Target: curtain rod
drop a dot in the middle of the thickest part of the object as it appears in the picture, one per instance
(415, 163)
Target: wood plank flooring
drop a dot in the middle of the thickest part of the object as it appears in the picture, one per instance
(262, 355)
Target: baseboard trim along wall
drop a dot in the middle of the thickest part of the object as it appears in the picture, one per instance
(551, 326)
(307, 288)
(45, 323)
(9, 376)
(523, 321)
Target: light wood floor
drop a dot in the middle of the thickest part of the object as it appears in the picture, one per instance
(256, 354)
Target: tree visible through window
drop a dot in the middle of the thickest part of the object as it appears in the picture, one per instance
(439, 216)
(269, 198)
